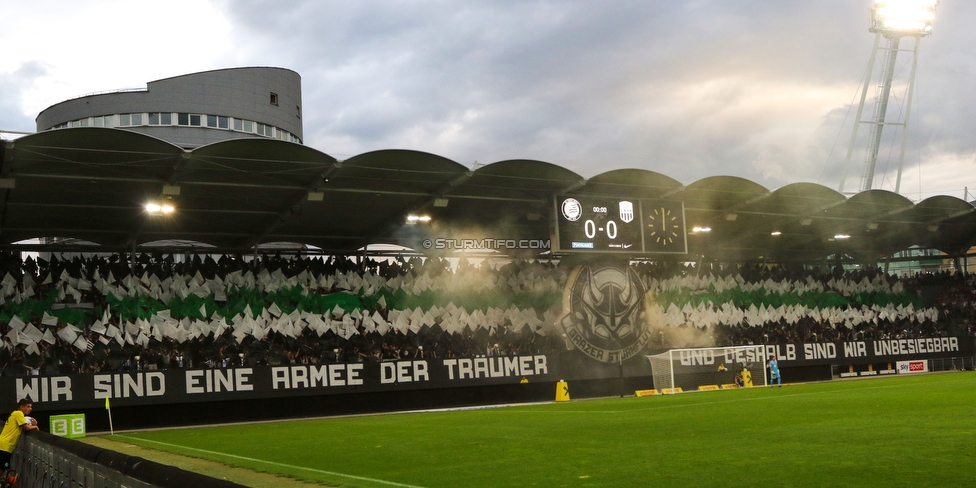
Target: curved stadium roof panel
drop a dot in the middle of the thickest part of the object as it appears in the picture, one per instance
(91, 184)
(633, 183)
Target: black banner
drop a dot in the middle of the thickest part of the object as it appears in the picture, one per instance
(131, 388)
(58, 392)
(831, 353)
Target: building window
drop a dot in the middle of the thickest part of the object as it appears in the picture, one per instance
(238, 124)
(248, 126)
(217, 121)
(274, 98)
(157, 118)
(188, 119)
(126, 120)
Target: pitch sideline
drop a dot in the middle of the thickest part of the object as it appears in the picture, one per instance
(274, 463)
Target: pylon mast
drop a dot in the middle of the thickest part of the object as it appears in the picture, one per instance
(892, 20)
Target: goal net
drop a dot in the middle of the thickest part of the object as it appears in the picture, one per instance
(691, 369)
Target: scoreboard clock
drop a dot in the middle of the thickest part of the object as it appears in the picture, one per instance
(596, 224)
(664, 227)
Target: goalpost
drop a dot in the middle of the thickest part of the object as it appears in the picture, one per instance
(690, 369)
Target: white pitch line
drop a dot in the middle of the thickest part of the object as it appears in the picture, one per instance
(283, 465)
(715, 402)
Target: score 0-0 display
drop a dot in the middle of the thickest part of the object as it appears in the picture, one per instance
(619, 225)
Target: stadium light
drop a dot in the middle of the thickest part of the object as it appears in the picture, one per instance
(775, 233)
(413, 219)
(160, 208)
(699, 230)
(893, 20)
(903, 17)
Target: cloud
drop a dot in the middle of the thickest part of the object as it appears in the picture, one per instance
(680, 88)
(13, 85)
(752, 88)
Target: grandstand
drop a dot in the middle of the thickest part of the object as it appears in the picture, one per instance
(100, 316)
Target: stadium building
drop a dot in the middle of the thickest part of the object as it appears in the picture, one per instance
(223, 149)
(194, 110)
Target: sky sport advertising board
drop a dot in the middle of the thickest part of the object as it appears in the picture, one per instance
(917, 366)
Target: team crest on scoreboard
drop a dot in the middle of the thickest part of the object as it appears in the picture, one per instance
(603, 310)
(627, 212)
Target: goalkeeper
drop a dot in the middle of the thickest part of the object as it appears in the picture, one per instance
(774, 372)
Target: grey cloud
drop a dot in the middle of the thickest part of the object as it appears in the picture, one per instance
(595, 86)
(12, 86)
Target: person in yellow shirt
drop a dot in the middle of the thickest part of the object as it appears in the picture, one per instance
(16, 423)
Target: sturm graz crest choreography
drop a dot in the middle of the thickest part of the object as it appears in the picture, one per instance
(603, 310)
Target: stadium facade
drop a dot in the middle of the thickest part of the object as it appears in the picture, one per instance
(224, 147)
(195, 109)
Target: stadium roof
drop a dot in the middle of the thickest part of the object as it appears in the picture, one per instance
(91, 184)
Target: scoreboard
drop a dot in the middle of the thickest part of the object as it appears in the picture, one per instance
(598, 224)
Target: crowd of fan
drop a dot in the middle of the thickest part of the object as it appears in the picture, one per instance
(952, 294)
(222, 350)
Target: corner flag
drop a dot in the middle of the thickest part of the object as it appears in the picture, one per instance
(111, 427)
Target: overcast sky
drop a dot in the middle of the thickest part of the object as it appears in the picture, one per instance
(753, 88)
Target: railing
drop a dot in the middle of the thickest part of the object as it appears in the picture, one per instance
(106, 92)
(952, 364)
(42, 460)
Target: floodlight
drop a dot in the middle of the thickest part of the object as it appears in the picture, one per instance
(842, 236)
(698, 230)
(157, 208)
(775, 233)
(894, 18)
(412, 219)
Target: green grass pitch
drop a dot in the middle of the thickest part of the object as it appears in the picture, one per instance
(885, 432)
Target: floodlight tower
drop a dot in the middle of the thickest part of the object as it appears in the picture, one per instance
(891, 20)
